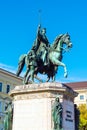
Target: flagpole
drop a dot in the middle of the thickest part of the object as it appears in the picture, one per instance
(39, 12)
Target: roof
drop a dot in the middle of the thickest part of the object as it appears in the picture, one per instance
(9, 73)
(77, 85)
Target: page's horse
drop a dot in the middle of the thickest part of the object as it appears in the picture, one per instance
(54, 57)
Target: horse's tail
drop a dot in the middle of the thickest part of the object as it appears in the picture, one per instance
(21, 64)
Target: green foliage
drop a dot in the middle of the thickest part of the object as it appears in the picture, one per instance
(83, 117)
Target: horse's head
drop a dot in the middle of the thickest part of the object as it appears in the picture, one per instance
(66, 39)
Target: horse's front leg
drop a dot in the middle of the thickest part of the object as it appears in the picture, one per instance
(65, 71)
(59, 63)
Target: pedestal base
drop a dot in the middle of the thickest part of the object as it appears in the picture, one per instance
(33, 106)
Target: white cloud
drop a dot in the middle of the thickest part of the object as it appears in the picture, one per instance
(8, 68)
(11, 69)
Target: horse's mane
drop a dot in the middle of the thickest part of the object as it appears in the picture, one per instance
(56, 41)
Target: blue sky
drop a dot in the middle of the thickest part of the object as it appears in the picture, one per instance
(19, 20)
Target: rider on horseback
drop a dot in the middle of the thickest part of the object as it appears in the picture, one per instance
(41, 45)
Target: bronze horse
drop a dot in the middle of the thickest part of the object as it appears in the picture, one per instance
(54, 58)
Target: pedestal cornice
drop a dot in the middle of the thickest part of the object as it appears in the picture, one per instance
(41, 90)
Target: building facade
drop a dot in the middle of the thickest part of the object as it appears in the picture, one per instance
(8, 81)
(81, 89)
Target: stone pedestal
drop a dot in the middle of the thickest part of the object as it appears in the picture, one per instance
(33, 106)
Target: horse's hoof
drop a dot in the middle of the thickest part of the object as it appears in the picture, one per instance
(65, 75)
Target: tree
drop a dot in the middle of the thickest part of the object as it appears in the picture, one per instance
(83, 117)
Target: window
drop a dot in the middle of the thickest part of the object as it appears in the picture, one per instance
(0, 87)
(81, 97)
(8, 88)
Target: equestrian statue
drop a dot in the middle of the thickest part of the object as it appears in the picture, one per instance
(44, 58)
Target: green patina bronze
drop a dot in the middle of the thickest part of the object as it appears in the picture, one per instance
(57, 111)
(44, 57)
(41, 45)
(8, 117)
